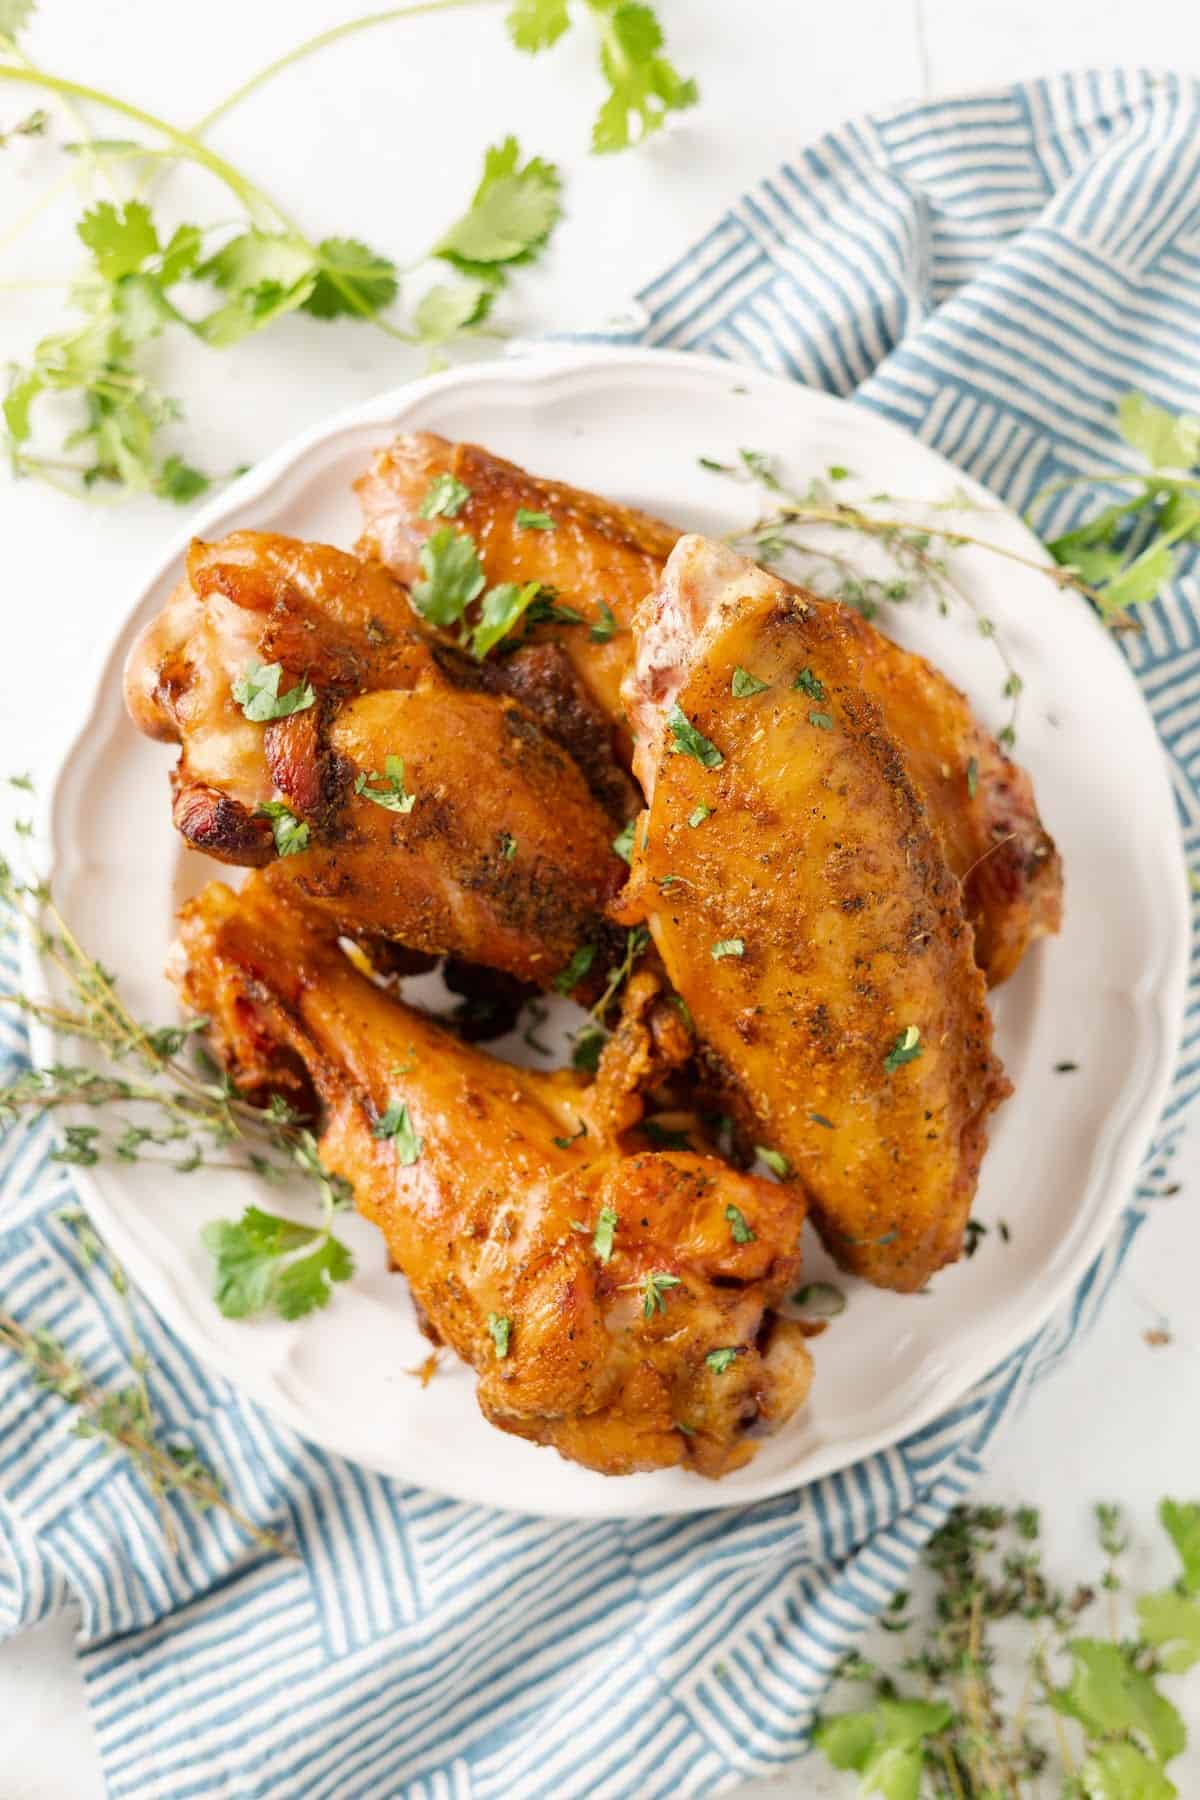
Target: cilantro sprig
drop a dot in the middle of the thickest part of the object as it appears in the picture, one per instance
(644, 87)
(265, 1263)
(220, 283)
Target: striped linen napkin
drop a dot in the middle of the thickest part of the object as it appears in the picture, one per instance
(990, 273)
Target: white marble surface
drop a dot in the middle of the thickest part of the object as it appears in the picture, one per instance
(381, 136)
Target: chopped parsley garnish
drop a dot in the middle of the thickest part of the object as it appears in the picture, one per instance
(692, 742)
(976, 1231)
(605, 626)
(774, 1159)
(654, 1294)
(451, 576)
(744, 684)
(396, 1125)
(807, 683)
(502, 607)
(508, 845)
(390, 793)
(266, 1263)
(623, 842)
(534, 521)
(445, 497)
(699, 813)
(576, 969)
(289, 832)
(720, 1360)
(822, 721)
(256, 691)
(821, 1298)
(547, 610)
(728, 947)
(739, 1231)
(606, 1225)
(972, 779)
(501, 1330)
(906, 1049)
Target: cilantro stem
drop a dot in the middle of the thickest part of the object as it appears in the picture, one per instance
(254, 198)
(335, 32)
(1112, 478)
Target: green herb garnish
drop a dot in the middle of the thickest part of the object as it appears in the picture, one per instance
(744, 684)
(692, 742)
(500, 1328)
(720, 1360)
(602, 1241)
(451, 576)
(807, 683)
(290, 833)
(508, 845)
(396, 1126)
(821, 720)
(739, 1231)
(256, 691)
(623, 842)
(643, 86)
(444, 498)
(655, 1293)
(576, 969)
(774, 1159)
(502, 607)
(605, 626)
(699, 813)
(906, 1049)
(266, 1263)
(390, 792)
(728, 947)
(534, 521)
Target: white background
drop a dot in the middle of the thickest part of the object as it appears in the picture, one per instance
(381, 136)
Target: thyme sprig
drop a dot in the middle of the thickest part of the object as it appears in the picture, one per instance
(961, 1736)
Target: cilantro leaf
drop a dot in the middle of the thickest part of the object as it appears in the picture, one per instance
(744, 684)
(256, 691)
(14, 17)
(258, 1266)
(445, 496)
(365, 281)
(884, 1745)
(739, 1231)
(446, 309)
(606, 1225)
(23, 389)
(807, 683)
(255, 258)
(1121, 1772)
(720, 1360)
(692, 742)
(390, 794)
(289, 832)
(534, 521)
(1167, 440)
(452, 576)
(501, 1331)
(698, 815)
(774, 1159)
(586, 1049)
(605, 626)
(1171, 1622)
(623, 842)
(120, 239)
(728, 947)
(576, 969)
(536, 24)
(502, 607)
(178, 481)
(1181, 1522)
(906, 1049)
(512, 213)
(1139, 580)
(1107, 1694)
(644, 86)
(396, 1125)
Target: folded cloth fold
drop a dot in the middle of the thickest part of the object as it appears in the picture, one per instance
(991, 273)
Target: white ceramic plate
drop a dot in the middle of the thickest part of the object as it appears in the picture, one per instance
(1108, 994)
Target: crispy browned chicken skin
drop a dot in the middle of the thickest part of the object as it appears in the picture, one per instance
(495, 1222)
(803, 908)
(504, 856)
(980, 801)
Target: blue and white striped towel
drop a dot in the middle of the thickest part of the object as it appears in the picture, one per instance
(991, 273)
